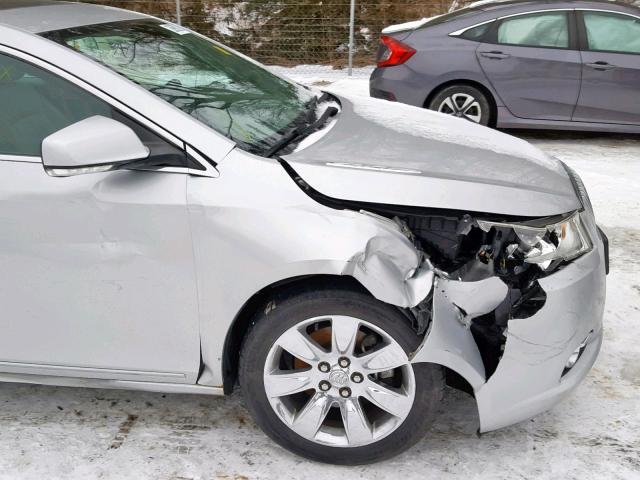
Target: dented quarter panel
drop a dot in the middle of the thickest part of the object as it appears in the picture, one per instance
(242, 245)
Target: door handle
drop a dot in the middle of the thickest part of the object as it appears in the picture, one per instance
(496, 55)
(601, 66)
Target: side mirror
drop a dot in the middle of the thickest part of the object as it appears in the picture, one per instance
(96, 144)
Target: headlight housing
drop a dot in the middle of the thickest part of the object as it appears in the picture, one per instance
(563, 240)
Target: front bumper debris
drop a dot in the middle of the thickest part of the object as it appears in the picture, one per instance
(529, 378)
(532, 374)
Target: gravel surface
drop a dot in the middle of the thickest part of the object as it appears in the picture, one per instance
(51, 433)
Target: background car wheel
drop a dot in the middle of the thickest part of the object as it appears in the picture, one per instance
(463, 101)
(318, 369)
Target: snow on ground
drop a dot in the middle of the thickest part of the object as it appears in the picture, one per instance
(52, 433)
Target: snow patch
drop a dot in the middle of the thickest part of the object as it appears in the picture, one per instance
(401, 27)
(425, 123)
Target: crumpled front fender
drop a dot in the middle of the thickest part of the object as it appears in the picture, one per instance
(391, 268)
(243, 247)
(449, 341)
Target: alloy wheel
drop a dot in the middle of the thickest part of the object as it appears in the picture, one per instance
(339, 381)
(462, 105)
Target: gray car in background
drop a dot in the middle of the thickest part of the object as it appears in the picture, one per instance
(520, 64)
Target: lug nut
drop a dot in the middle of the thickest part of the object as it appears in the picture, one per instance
(344, 362)
(324, 367)
(345, 392)
(357, 377)
(324, 386)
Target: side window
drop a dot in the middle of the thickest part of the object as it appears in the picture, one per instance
(35, 103)
(611, 32)
(478, 33)
(548, 29)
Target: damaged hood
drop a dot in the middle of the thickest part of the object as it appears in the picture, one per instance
(395, 154)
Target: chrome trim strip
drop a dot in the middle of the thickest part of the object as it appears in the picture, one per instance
(457, 33)
(19, 158)
(374, 168)
(209, 170)
(606, 11)
(84, 372)
(111, 384)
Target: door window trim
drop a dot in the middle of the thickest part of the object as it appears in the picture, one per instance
(491, 35)
(19, 158)
(583, 40)
(208, 168)
(462, 31)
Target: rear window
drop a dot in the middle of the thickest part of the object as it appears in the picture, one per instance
(478, 33)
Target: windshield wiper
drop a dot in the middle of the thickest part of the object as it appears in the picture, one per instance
(301, 131)
(315, 101)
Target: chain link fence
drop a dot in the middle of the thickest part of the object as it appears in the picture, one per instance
(309, 37)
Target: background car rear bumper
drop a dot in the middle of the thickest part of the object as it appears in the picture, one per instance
(398, 84)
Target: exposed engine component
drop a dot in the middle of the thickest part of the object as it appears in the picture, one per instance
(470, 253)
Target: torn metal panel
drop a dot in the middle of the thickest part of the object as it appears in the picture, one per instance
(474, 298)
(538, 348)
(542, 319)
(449, 341)
(392, 270)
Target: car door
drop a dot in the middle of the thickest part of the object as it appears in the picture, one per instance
(611, 68)
(97, 269)
(532, 62)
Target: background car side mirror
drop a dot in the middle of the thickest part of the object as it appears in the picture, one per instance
(96, 144)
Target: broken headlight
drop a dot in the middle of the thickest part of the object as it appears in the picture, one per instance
(563, 240)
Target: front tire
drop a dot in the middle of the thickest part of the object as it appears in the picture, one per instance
(463, 101)
(319, 368)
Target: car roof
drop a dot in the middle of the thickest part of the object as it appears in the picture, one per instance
(491, 6)
(496, 4)
(39, 16)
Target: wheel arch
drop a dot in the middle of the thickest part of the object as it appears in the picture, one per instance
(261, 299)
(491, 98)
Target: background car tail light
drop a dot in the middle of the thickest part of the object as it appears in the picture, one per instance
(393, 52)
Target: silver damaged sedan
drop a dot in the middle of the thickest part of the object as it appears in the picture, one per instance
(176, 218)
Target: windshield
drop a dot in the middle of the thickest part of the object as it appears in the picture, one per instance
(232, 95)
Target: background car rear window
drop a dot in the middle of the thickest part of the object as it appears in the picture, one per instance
(612, 32)
(548, 29)
(477, 33)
